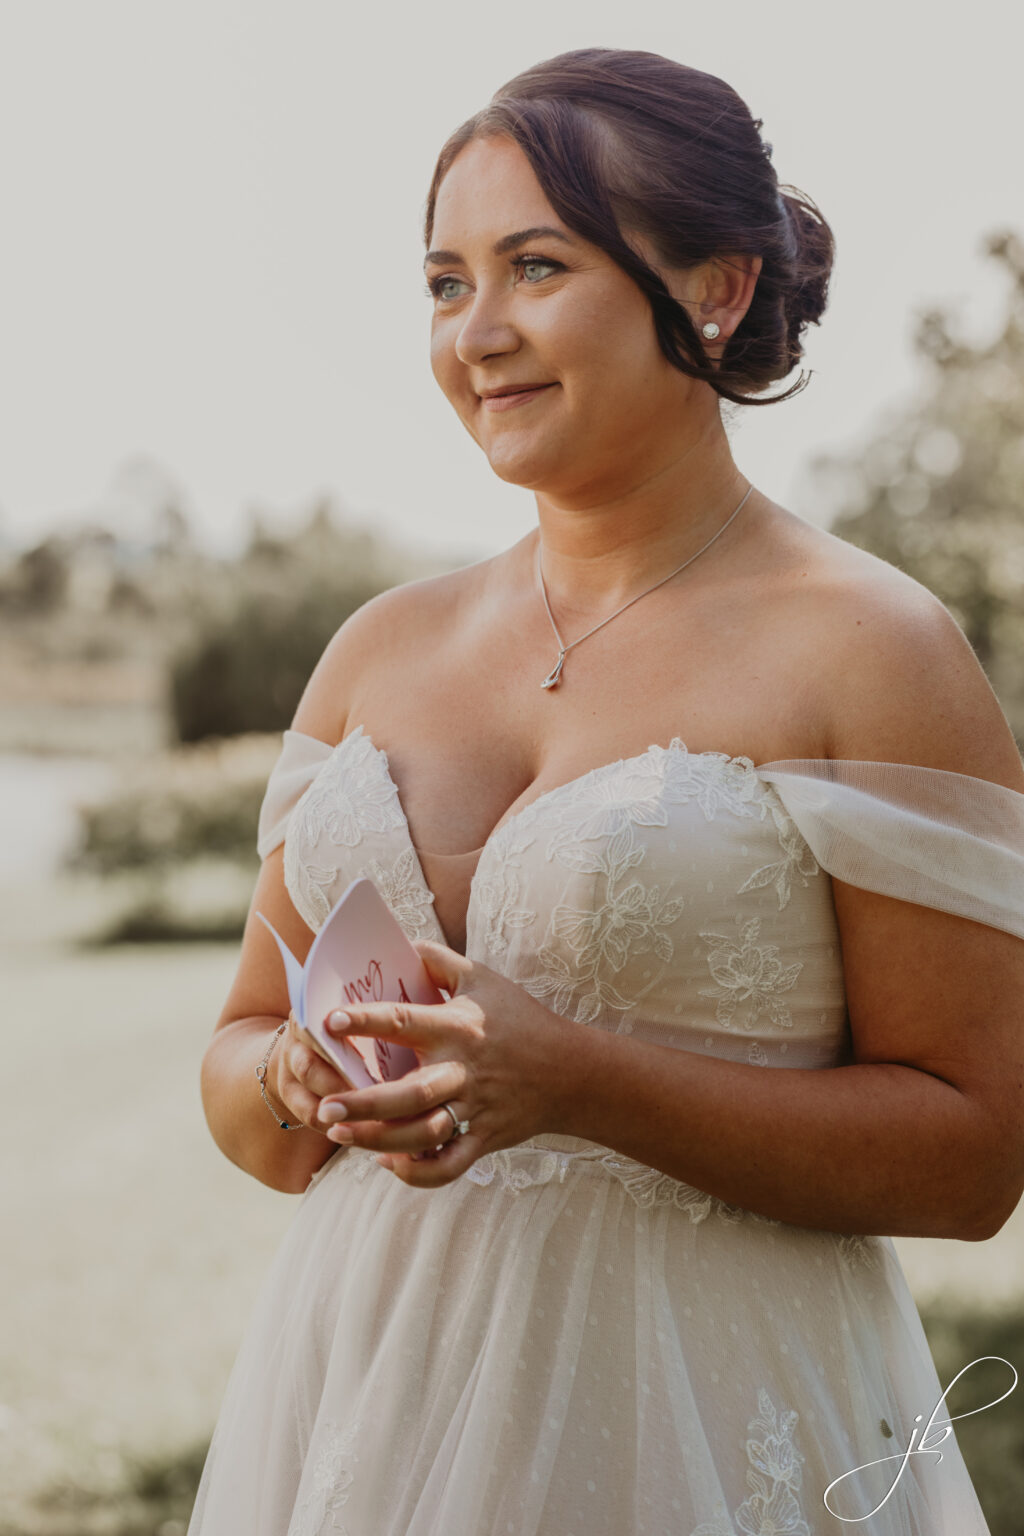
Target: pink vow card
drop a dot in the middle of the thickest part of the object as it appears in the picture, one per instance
(360, 955)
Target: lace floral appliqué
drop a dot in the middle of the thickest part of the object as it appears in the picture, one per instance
(748, 977)
(797, 860)
(589, 946)
(716, 781)
(774, 1475)
(352, 796)
(611, 800)
(632, 919)
(858, 1249)
(319, 1512)
(499, 896)
(402, 887)
(526, 1165)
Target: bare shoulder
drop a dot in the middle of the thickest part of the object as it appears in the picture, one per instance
(402, 619)
(899, 680)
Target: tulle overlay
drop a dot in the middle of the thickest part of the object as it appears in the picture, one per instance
(566, 1342)
(559, 1359)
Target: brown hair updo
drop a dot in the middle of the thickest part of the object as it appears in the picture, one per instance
(621, 139)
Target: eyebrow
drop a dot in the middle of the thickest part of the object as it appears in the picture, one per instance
(506, 243)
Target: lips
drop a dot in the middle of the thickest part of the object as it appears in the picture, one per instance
(510, 401)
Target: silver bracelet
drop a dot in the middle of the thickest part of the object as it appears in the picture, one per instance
(261, 1073)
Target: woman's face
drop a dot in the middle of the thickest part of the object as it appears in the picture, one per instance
(553, 310)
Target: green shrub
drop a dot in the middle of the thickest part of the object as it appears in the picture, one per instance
(155, 1498)
(192, 802)
(174, 843)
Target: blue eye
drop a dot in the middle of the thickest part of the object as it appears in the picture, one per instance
(535, 261)
(434, 286)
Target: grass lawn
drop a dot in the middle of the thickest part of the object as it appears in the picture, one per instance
(133, 1249)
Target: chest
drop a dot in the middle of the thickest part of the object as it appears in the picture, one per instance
(468, 760)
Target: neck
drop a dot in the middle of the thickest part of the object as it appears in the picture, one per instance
(597, 551)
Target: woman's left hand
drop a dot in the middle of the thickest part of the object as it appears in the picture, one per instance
(493, 1052)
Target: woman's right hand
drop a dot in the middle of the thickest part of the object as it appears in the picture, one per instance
(298, 1077)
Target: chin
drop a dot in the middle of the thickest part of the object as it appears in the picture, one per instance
(527, 464)
(525, 471)
(510, 476)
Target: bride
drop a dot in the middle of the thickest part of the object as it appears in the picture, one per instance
(713, 829)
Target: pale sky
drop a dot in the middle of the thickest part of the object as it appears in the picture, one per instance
(212, 247)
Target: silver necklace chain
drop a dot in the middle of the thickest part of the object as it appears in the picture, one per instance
(552, 679)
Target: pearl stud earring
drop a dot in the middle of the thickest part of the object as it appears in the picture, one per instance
(710, 330)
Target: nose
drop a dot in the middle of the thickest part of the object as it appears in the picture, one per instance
(486, 329)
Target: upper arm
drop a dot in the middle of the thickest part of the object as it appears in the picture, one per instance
(928, 988)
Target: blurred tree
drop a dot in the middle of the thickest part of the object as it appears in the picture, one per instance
(39, 578)
(254, 642)
(939, 492)
(128, 596)
(245, 670)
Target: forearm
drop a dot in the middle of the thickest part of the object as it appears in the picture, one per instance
(240, 1122)
(869, 1148)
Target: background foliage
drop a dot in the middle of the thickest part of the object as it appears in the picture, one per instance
(939, 490)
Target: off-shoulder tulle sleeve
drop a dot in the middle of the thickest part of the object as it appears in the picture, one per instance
(300, 761)
(925, 835)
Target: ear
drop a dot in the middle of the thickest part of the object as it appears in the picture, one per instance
(727, 291)
(720, 289)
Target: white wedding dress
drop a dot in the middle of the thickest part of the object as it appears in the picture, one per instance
(563, 1341)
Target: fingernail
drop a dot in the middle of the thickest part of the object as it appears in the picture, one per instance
(330, 1114)
(337, 1020)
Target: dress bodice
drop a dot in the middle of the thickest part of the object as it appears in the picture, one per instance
(671, 895)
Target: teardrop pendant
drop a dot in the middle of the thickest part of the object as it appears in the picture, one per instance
(551, 681)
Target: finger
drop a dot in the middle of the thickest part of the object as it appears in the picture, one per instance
(288, 1097)
(418, 1092)
(445, 967)
(424, 1133)
(306, 1065)
(304, 1105)
(432, 1172)
(305, 1037)
(302, 1079)
(298, 1104)
(414, 1024)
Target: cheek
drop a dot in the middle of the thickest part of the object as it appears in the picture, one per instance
(441, 359)
(610, 340)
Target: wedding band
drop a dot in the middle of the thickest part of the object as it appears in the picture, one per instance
(461, 1126)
